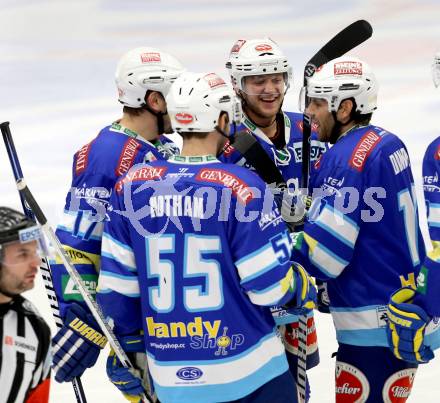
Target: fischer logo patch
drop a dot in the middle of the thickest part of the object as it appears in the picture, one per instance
(184, 118)
(128, 154)
(398, 386)
(348, 68)
(264, 47)
(214, 80)
(141, 174)
(351, 384)
(239, 188)
(363, 149)
(238, 45)
(150, 57)
(81, 158)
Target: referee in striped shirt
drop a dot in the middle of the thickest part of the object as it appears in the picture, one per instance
(24, 335)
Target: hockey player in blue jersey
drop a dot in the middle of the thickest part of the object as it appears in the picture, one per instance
(413, 312)
(194, 254)
(361, 234)
(143, 78)
(261, 75)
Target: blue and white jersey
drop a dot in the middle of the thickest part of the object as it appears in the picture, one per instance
(362, 234)
(194, 255)
(287, 159)
(96, 167)
(431, 188)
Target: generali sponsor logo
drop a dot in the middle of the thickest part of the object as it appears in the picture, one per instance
(263, 47)
(82, 157)
(351, 384)
(239, 188)
(348, 68)
(141, 174)
(183, 118)
(363, 149)
(238, 45)
(150, 57)
(398, 386)
(128, 154)
(214, 80)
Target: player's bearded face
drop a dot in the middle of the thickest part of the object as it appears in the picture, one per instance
(264, 94)
(321, 117)
(19, 267)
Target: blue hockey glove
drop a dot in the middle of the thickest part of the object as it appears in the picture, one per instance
(77, 344)
(323, 299)
(128, 381)
(305, 293)
(406, 327)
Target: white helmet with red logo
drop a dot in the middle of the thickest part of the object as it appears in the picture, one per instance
(255, 57)
(143, 69)
(196, 100)
(343, 78)
(436, 69)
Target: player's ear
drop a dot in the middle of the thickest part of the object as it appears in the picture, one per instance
(223, 122)
(155, 101)
(345, 111)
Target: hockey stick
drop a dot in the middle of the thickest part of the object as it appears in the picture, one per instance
(32, 205)
(347, 39)
(45, 270)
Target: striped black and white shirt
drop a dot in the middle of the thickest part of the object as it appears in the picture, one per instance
(25, 354)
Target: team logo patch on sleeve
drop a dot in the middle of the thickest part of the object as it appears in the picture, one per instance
(437, 153)
(398, 386)
(363, 149)
(351, 384)
(128, 154)
(81, 158)
(239, 188)
(141, 174)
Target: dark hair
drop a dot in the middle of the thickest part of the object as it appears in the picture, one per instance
(356, 116)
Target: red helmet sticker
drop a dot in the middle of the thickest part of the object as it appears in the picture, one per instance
(214, 80)
(150, 57)
(398, 386)
(264, 47)
(184, 118)
(348, 68)
(238, 45)
(351, 384)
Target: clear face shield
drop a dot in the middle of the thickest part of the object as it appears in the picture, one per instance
(436, 70)
(261, 85)
(30, 247)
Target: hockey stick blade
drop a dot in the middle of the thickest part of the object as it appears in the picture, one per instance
(350, 37)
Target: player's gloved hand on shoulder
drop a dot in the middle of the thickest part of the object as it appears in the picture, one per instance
(323, 299)
(127, 380)
(77, 344)
(406, 327)
(305, 296)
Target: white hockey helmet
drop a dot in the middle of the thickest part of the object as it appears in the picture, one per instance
(255, 57)
(436, 69)
(343, 78)
(196, 100)
(143, 69)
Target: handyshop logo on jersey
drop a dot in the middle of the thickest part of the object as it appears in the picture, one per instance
(141, 174)
(351, 384)
(150, 57)
(203, 334)
(348, 68)
(398, 386)
(70, 289)
(239, 188)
